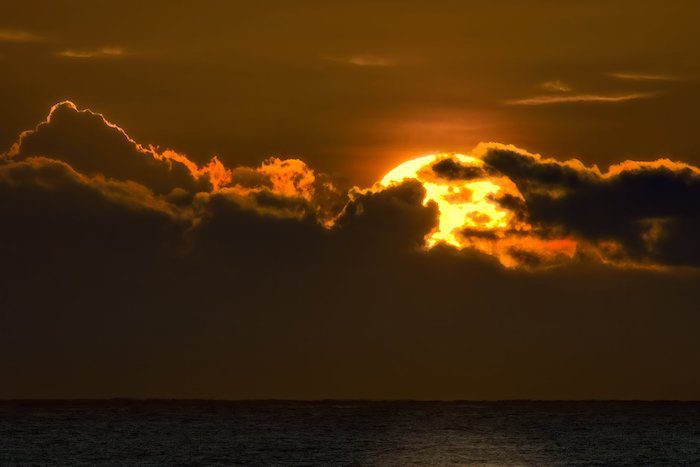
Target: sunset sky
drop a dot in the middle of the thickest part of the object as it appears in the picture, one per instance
(429, 200)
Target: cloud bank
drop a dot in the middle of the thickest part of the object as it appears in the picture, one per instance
(131, 271)
(634, 214)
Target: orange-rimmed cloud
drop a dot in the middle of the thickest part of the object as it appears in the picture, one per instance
(479, 209)
(523, 209)
(635, 213)
(284, 188)
(93, 146)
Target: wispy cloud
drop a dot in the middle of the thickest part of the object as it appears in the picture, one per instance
(365, 60)
(556, 86)
(643, 76)
(579, 98)
(94, 53)
(15, 35)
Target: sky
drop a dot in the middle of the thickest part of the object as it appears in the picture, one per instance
(371, 200)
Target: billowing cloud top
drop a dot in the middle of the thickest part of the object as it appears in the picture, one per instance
(86, 143)
(525, 210)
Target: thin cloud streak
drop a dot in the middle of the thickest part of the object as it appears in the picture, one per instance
(97, 53)
(13, 35)
(363, 60)
(556, 85)
(579, 98)
(643, 77)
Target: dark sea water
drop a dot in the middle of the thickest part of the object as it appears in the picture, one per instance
(349, 433)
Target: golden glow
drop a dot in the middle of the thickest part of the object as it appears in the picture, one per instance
(471, 215)
(463, 204)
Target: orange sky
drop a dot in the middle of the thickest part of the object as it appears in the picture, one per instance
(356, 89)
(188, 204)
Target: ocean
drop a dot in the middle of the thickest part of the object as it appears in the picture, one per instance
(131, 432)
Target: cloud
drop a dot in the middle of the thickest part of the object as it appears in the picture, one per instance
(104, 52)
(643, 77)
(56, 220)
(480, 210)
(453, 170)
(580, 98)
(363, 60)
(634, 213)
(14, 35)
(528, 211)
(54, 176)
(92, 145)
(556, 86)
(230, 285)
(97, 149)
(285, 188)
(394, 217)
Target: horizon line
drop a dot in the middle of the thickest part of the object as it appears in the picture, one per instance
(330, 400)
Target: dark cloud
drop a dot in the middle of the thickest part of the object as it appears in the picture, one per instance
(286, 188)
(92, 145)
(640, 212)
(636, 213)
(57, 178)
(531, 173)
(453, 170)
(396, 215)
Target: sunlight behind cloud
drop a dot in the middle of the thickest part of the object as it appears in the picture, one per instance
(477, 209)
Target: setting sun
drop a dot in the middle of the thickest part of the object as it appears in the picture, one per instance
(466, 201)
(332, 233)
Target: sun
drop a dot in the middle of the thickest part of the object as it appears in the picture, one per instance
(480, 209)
(467, 195)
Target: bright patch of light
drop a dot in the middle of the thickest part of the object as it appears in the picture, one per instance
(463, 204)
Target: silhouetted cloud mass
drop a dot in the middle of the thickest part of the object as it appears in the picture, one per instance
(133, 271)
(633, 214)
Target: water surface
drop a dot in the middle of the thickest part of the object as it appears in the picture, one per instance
(349, 433)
